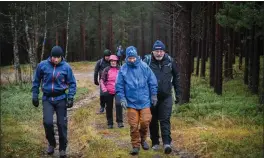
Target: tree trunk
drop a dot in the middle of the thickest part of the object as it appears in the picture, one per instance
(251, 48)
(255, 66)
(172, 29)
(45, 34)
(82, 34)
(241, 50)
(67, 28)
(142, 33)
(184, 46)
(110, 33)
(31, 54)
(203, 53)
(18, 77)
(99, 29)
(212, 55)
(218, 57)
(247, 38)
(198, 57)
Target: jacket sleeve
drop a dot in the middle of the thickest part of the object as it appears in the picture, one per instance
(71, 82)
(120, 86)
(103, 80)
(96, 71)
(176, 79)
(152, 82)
(36, 82)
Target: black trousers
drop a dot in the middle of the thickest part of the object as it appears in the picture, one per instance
(49, 107)
(102, 99)
(161, 117)
(109, 109)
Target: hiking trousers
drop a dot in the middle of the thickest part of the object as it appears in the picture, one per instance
(109, 109)
(139, 123)
(59, 107)
(161, 118)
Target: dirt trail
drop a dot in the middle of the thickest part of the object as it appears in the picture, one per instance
(74, 152)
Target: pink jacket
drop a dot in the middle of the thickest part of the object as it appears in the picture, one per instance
(108, 78)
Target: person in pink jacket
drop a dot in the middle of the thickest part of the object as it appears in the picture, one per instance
(107, 83)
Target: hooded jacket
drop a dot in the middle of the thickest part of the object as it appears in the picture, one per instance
(136, 83)
(54, 80)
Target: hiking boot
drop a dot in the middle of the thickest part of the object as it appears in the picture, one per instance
(62, 154)
(120, 125)
(50, 150)
(101, 110)
(134, 151)
(145, 145)
(167, 149)
(110, 126)
(155, 147)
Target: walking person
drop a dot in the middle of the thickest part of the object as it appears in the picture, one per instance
(136, 87)
(101, 64)
(55, 76)
(167, 74)
(107, 83)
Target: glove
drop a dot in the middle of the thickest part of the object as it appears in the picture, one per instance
(70, 102)
(35, 102)
(154, 100)
(124, 104)
(177, 100)
(96, 82)
(106, 93)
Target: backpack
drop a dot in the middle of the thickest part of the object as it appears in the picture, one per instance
(148, 60)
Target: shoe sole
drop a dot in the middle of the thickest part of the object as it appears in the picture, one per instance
(133, 154)
(50, 153)
(168, 151)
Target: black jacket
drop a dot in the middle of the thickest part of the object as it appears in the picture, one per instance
(167, 74)
(99, 67)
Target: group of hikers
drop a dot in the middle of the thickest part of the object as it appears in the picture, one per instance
(143, 88)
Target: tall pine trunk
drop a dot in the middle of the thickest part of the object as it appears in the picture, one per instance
(255, 65)
(218, 56)
(142, 32)
(99, 28)
(184, 45)
(67, 30)
(203, 53)
(45, 33)
(18, 77)
(212, 55)
(247, 49)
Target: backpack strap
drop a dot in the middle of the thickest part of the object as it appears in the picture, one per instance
(101, 61)
(148, 58)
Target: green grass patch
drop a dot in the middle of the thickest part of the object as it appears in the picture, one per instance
(23, 133)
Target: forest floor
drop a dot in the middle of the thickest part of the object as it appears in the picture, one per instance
(208, 126)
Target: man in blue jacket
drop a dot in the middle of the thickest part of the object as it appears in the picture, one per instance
(167, 73)
(136, 87)
(54, 76)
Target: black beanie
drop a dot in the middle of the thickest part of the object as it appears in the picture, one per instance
(56, 51)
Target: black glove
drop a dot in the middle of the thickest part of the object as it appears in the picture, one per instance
(177, 100)
(96, 82)
(70, 102)
(35, 102)
(154, 100)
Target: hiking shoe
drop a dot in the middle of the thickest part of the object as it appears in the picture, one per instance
(62, 154)
(120, 125)
(134, 151)
(155, 147)
(101, 110)
(167, 149)
(50, 150)
(145, 145)
(110, 126)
